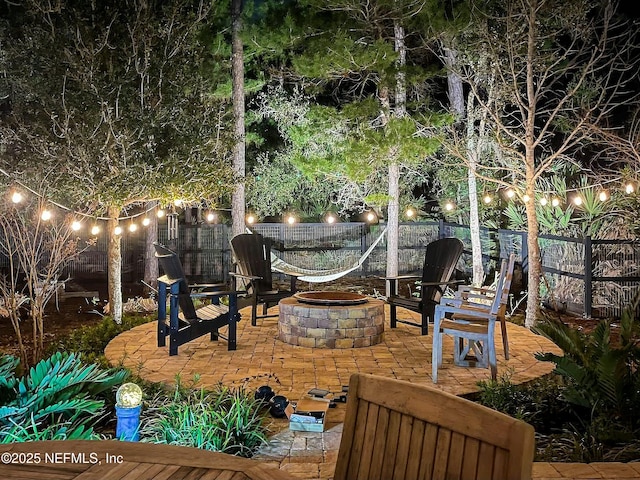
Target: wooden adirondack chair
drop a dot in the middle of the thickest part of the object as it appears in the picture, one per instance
(185, 322)
(252, 254)
(440, 259)
(396, 430)
(472, 327)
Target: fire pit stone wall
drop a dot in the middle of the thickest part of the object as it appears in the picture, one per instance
(331, 326)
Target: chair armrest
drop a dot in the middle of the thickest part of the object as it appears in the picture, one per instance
(245, 277)
(436, 284)
(442, 310)
(213, 294)
(401, 277)
(198, 286)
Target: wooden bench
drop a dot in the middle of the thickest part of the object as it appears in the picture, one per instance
(187, 323)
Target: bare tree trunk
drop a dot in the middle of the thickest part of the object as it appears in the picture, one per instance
(473, 150)
(393, 216)
(393, 207)
(454, 85)
(150, 262)
(401, 82)
(237, 66)
(114, 266)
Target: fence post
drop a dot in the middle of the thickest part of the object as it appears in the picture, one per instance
(525, 252)
(363, 248)
(588, 275)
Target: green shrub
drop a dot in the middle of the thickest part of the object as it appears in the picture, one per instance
(602, 378)
(222, 420)
(539, 402)
(57, 398)
(90, 341)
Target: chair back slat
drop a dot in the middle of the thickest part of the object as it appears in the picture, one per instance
(399, 430)
(252, 253)
(440, 259)
(172, 268)
(501, 298)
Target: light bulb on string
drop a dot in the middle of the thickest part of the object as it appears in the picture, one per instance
(95, 230)
(17, 197)
(146, 221)
(544, 201)
(291, 219)
(510, 193)
(76, 225)
(603, 196)
(330, 218)
(117, 230)
(371, 217)
(629, 188)
(577, 200)
(161, 213)
(46, 215)
(211, 217)
(410, 212)
(555, 202)
(133, 227)
(526, 198)
(177, 202)
(449, 206)
(487, 199)
(251, 219)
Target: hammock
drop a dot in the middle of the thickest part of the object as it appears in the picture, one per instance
(318, 276)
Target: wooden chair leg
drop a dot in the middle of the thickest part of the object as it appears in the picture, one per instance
(254, 310)
(505, 339)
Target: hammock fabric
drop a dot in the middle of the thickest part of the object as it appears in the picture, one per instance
(319, 276)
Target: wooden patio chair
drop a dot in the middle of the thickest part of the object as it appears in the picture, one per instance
(440, 259)
(472, 326)
(185, 322)
(396, 430)
(252, 256)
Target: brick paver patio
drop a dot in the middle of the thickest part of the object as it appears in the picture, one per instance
(262, 359)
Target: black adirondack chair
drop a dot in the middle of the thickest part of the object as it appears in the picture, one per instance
(252, 256)
(185, 322)
(440, 261)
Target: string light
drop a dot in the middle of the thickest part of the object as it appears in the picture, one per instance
(46, 215)
(76, 225)
(577, 200)
(95, 230)
(17, 197)
(526, 198)
(510, 193)
(251, 219)
(371, 217)
(487, 199)
(117, 230)
(133, 227)
(291, 219)
(449, 206)
(603, 196)
(555, 201)
(330, 218)
(161, 213)
(177, 202)
(410, 213)
(544, 201)
(629, 188)
(146, 221)
(211, 217)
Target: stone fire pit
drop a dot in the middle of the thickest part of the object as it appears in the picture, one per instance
(331, 320)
